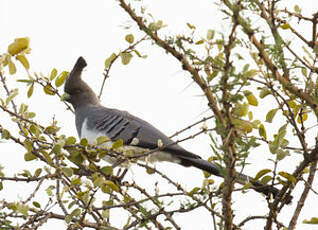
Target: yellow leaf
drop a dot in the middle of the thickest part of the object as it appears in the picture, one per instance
(130, 38)
(49, 90)
(12, 68)
(53, 74)
(18, 45)
(252, 100)
(302, 116)
(61, 79)
(24, 61)
(199, 42)
(285, 26)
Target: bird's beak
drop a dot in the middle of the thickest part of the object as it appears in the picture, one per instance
(65, 97)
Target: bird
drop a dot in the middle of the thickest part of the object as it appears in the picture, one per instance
(93, 120)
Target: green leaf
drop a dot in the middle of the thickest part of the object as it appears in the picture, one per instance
(47, 157)
(264, 92)
(243, 125)
(302, 116)
(251, 73)
(76, 181)
(112, 185)
(23, 209)
(25, 81)
(101, 140)
(70, 141)
(5, 134)
(155, 26)
(68, 219)
(57, 148)
(288, 176)
(118, 144)
(105, 213)
(49, 191)
(23, 60)
(193, 191)
(240, 110)
(281, 154)
(262, 131)
(270, 115)
(110, 60)
(1, 185)
(13, 94)
(313, 220)
(262, 173)
(30, 90)
(52, 129)
(36, 204)
(84, 142)
(53, 74)
(61, 79)
(210, 34)
(29, 157)
(76, 212)
(129, 38)
(28, 145)
(192, 27)
(107, 170)
(212, 75)
(266, 179)
(125, 57)
(67, 171)
(150, 171)
(99, 181)
(297, 9)
(37, 172)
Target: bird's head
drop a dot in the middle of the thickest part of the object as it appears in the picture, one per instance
(78, 93)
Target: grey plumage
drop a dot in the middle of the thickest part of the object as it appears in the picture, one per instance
(93, 120)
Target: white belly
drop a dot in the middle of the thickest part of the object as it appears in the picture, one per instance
(126, 150)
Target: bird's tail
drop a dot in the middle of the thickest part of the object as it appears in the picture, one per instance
(240, 178)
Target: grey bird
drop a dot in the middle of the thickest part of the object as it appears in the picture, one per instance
(93, 120)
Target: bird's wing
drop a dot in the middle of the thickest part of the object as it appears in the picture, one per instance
(117, 124)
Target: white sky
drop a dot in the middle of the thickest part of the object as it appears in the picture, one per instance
(155, 89)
